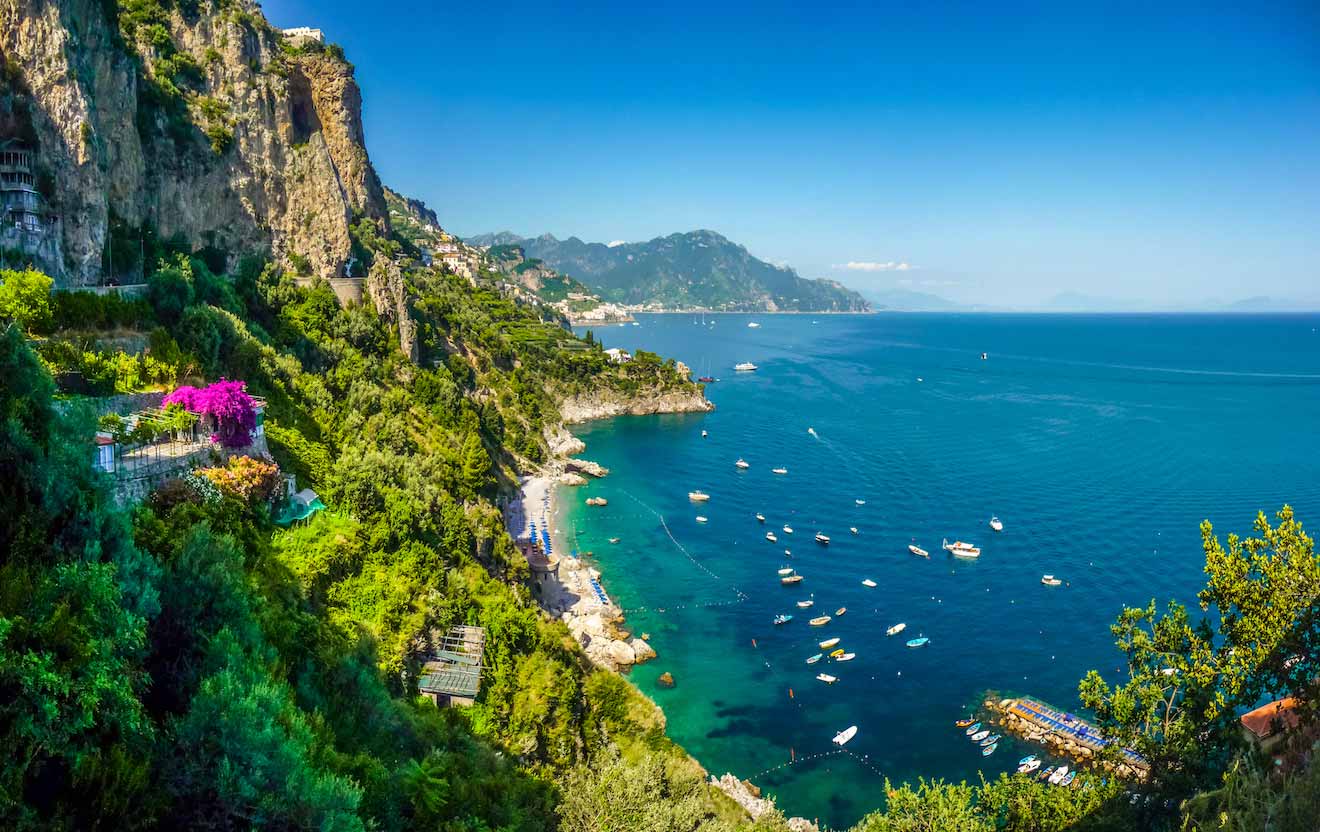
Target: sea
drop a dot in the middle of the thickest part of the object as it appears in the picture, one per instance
(1100, 441)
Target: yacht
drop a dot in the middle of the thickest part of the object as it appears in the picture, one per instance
(787, 570)
(791, 579)
(698, 496)
(822, 538)
(742, 463)
(745, 367)
(996, 524)
(961, 549)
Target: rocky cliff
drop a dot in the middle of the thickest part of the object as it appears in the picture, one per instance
(190, 122)
(603, 405)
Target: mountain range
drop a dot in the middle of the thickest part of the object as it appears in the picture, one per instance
(693, 270)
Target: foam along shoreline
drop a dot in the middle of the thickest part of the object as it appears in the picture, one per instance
(568, 588)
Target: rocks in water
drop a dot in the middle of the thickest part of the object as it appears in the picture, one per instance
(643, 651)
(749, 798)
(586, 466)
(666, 680)
(596, 501)
(570, 478)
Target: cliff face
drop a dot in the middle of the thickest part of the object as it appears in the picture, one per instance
(603, 405)
(188, 123)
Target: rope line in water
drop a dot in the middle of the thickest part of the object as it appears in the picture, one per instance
(664, 525)
(861, 759)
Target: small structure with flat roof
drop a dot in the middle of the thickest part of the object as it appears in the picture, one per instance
(452, 674)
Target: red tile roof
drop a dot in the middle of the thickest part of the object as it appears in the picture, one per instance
(1261, 721)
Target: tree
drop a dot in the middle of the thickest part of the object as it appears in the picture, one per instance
(931, 806)
(25, 299)
(1186, 682)
(476, 466)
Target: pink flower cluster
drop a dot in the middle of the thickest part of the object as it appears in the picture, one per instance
(233, 413)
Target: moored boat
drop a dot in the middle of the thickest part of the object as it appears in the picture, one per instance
(701, 519)
(804, 604)
(819, 621)
(846, 734)
(834, 654)
(788, 529)
(779, 470)
(996, 524)
(918, 642)
(742, 463)
(1045, 775)
(822, 538)
(973, 728)
(1026, 759)
(991, 740)
(815, 658)
(698, 496)
(962, 550)
(785, 570)
(860, 502)
(1050, 580)
(868, 582)
(840, 610)
(1068, 779)
(980, 735)
(989, 749)
(1059, 773)
(963, 723)
(791, 579)
(852, 529)
(829, 642)
(760, 517)
(745, 367)
(783, 619)
(770, 536)
(1028, 767)
(827, 678)
(896, 629)
(918, 551)
(845, 657)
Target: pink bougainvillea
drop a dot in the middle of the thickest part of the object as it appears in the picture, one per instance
(232, 411)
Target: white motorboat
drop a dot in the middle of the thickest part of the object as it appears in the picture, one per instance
(753, 325)
(918, 551)
(779, 470)
(960, 549)
(1029, 766)
(846, 657)
(704, 434)
(852, 529)
(827, 678)
(742, 463)
(698, 496)
(868, 582)
(828, 643)
(745, 367)
(996, 524)
(896, 629)
(805, 604)
(860, 502)
(770, 536)
(822, 538)
(787, 570)
(788, 529)
(1050, 580)
(760, 517)
(1059, 773)
(846, 734)
(701, 519)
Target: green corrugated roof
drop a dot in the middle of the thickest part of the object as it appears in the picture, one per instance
(460, 681)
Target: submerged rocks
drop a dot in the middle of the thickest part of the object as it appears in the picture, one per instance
(666, 680)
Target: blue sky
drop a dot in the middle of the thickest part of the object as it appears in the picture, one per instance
(1151, 152)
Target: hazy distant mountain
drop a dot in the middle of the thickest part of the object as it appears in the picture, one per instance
(906, 300)
(1264, 303)
(1079, 302)
(698, 269)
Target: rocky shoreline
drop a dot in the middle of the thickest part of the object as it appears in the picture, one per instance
(589, 406)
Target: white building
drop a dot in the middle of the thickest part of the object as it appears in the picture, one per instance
(618, 356)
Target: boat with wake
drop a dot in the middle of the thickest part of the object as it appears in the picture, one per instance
(779, 470)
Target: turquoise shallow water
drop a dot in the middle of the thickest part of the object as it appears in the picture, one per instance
(1100, 441)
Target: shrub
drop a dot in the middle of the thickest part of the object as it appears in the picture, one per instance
(227, 403)
(244, 478)
(25, 299)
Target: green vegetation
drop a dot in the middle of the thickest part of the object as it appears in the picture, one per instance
(25, 299)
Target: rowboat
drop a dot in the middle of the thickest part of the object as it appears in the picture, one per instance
(1050, 580)
(918, 642)
(973, 728)
(827, 678)
(846, 657)
(990, 740)
(1045, 775)
(819, 621)
(791, 579)
(896, 629)
(1026, 759)
(783, 619)
(980, 735)
(918, 551)
(989, 749)
(845, 735)
(868, 582)
(840, 610)
(963, 723)
(1067, 780)
(828, 643)
(698, 496)
(815, 658)
(836, 653)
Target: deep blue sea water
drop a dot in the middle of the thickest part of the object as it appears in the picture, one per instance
(1100, 441)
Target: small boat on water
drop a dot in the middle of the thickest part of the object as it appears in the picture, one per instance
(918, 642)
(779, 470)
(783, 619)
(989, 749)
(827, 678)
(918, 551)
(852, 529)
(704, 434)
(1026, 759)
(963, 723)
(614, 540)
(834, 654)
(812, 431)
(829, 642)
(819, 621)
(760, 517)
(815, 658)
(701, 519)
(896, 629)
(868, 582)
(788, 529)
(770, 536)
(961, 550)
(745, 367)
(984, 356)
(1028, 767)
(1045, 775)
(753, 325)
(840, 611)
(804, 604)
(790, 579)
(707, 379)
(1050, 580)
(996, 524)
(822, 538)
(860, 502)
(1059, 773)
(1068, 779)
(846, 734)
(698, 496)
(980, 735)
(973, 728)
(991, 740)
(845, 657)
(742, 463)
(785, 570)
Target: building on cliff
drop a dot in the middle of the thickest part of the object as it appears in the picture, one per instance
(30, 232)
